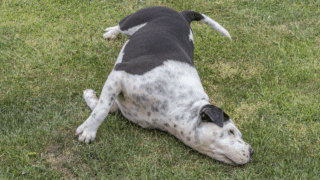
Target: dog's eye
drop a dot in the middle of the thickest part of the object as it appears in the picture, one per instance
(231, 132)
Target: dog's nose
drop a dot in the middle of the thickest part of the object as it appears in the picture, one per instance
(251, 151)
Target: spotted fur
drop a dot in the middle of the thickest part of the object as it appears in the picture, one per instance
(158, 87)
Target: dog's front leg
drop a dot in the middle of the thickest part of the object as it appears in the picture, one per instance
(87, 131)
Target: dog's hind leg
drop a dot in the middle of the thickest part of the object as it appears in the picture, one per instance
(87, 130)
(132, 23)
(127, 26)
(112, 32)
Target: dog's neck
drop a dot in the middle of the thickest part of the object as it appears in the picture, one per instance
(188, 127)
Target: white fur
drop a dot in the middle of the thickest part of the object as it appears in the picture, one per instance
(87, 130)
(215, 25)
(191, 36)
(132, 30)
(90, 97)
(112, 32)
(121, 54)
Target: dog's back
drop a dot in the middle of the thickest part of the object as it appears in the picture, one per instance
(157, 35)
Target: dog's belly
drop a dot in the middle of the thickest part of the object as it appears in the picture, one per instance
(137, 109)
(162, 97)
(149, 103)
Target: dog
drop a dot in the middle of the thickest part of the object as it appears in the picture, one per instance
(154, 84)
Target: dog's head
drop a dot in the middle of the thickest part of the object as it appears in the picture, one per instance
(219, 138)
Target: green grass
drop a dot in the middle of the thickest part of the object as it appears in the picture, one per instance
(267, 79)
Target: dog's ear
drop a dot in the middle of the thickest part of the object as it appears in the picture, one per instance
(213, 114)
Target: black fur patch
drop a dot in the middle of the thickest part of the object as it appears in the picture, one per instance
(213, 114)
(165, 36)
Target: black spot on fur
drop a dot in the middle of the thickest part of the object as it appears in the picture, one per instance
(160, 87)
(182, 96)
(182, 117)
(144, 98)
(176, 117)
(194, 113)
(240, 142)
(166, 125)
(138, 99)
(155, 106)
(136, 104)
(174, 126)
(221, 135)
(101, 101)
(188, 138)
(182, 133)
(110, 88)
(149, 113)
(149, 90)
(94, 115)
(164, 106)
(124, 107)
(196, 137)
(169, 74)
(154, 121)
(154, 109)
(243, 154)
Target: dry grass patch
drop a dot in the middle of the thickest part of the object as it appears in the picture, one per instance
(242, 113)
(229, 70)
(55, 158)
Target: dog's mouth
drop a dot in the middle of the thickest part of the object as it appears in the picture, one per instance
(231, 162)
(225, 159)
(222, 158)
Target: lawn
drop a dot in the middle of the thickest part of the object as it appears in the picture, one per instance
(267, 79)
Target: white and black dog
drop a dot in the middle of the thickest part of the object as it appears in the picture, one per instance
(154, 84)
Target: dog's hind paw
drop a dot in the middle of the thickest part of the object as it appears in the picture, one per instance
(112, 32)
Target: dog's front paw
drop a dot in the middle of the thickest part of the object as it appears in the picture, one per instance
(112, 32)
(86, 133)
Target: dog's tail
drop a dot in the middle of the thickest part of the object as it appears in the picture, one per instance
(195, 16)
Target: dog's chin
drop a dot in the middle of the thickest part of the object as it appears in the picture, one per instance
(224, 159)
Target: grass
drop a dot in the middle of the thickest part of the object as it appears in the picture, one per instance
(267, 79)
